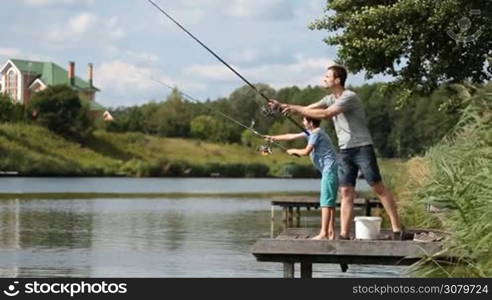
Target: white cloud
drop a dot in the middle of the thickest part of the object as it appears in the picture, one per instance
(8, 53)
(82, 23)
(117, 53)
(271, 9)
(125, 84)
(302, 72)
(216, 72)
(43, 3)
(245, 56)
(83, 27)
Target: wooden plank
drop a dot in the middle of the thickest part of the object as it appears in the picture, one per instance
(345, 260)
(306, 270)
(290, 232)
(288, 269)
(346, 248)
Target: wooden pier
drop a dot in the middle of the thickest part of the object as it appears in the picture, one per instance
(292, 207)
(295, 246)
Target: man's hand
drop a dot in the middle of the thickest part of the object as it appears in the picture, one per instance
(269, 138)
(275, 104)
(288, 109)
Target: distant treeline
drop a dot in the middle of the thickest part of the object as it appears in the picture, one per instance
(397, 131)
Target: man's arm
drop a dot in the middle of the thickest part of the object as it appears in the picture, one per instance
(319, 104)
(315, 113)
(301, 152)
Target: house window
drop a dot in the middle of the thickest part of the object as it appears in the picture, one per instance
(11, 86)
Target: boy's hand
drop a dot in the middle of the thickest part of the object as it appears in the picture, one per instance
(292, 152)
(269, 138)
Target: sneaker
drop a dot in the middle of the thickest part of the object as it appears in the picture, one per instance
(426, 237)
(399, 235)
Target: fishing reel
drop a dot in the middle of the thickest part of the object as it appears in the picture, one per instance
(269, 112)
(265, 149)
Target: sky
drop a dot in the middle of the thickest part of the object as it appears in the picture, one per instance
(132, 44)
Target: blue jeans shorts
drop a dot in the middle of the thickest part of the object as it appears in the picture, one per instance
(329, 187)
(359, 158)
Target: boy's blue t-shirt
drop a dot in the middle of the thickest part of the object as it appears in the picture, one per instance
(323, 155)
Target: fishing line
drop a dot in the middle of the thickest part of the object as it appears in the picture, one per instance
(193, 99)
(222, 61)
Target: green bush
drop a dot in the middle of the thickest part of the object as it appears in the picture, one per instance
(59, 109)
(10, 111)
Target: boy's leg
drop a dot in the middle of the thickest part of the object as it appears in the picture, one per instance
(331, 223)
(366, 159)
(325, 220)
(328, 196)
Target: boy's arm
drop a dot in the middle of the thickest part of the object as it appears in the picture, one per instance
(285, 137)
(301, 152)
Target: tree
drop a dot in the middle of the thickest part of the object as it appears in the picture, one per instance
(214, 130)
(59, 109)
(409, 39)
(10, 111)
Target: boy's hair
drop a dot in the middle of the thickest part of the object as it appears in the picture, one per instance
(315, 122)
(339, 72)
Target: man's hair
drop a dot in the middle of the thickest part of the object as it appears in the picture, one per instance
(315, 122)
(339, 72)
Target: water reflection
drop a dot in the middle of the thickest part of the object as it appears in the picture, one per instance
(192, 237)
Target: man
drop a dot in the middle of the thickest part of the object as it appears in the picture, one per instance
(356, 149)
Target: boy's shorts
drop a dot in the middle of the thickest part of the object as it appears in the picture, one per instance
(329, 187)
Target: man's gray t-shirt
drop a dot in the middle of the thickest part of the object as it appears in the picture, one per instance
(351, 124)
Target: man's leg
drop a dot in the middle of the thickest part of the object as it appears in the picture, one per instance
(389, 203)
(346, 210)
(367, 162)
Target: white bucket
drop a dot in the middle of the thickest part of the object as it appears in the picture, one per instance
(367, 228)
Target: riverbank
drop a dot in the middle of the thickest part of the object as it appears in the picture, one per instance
(31, 150)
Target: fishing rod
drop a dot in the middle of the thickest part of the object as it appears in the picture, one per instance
(222, 61)
(264, 149)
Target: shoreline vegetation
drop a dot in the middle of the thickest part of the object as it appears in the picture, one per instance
(32, 150)
(449, 188)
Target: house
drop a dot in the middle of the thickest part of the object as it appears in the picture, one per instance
(20, 79)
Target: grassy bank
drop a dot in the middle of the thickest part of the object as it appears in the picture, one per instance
(35, 151)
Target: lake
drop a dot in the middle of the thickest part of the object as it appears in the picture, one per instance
(139, 237)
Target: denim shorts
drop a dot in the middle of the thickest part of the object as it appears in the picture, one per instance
(358, 158)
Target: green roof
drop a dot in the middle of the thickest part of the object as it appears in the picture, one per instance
(51, 73)
(96, 106)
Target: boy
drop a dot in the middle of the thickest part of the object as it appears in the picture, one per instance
(323, 156)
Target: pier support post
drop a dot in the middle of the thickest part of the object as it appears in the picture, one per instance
(298, 216)
(368, 207)
(288, 270)
(306, 270)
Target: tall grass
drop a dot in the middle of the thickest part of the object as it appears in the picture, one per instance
(460, 183)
